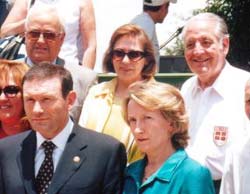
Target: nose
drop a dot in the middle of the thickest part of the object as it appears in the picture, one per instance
(126, 59)
(41, 38)
(3, 96)
(198, 48)
(138, 128)
(37, 108)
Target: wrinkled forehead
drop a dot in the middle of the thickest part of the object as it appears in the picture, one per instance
(201, 26)
(128, 41)
(42, 85)
(44, 21)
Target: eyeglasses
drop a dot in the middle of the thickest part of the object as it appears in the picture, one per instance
(118, 55)
(35, 34)
(10, 91)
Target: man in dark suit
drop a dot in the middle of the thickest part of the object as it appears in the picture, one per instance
(44, 36)
(83, 161)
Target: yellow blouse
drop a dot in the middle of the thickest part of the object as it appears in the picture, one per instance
(115, 120)
(103, 112)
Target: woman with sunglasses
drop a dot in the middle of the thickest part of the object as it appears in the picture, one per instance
(12, 120)
(158, 120)
(131, 56)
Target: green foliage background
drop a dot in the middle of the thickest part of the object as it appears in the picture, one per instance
(236, 13)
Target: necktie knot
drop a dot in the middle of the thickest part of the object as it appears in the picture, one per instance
(48, 147)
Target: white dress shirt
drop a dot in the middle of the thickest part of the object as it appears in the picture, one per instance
(236, 173)
(60, 142)
(217, 117)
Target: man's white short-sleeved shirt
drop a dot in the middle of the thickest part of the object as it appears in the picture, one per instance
(217, 117)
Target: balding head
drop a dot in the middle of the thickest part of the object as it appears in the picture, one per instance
(44, 33)
(219, 25)
(44, 12)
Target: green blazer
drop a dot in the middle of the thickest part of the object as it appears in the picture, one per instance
(179, 174)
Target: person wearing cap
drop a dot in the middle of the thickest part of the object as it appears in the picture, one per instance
(236, 172)
(154, 11)
(214, 96)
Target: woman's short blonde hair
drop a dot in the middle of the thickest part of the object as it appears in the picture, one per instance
(154, 95)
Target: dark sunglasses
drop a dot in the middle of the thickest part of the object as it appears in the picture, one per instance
(35, 34)
(10, 91)
(118, 55)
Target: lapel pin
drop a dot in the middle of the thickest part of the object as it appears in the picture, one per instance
(76, 159)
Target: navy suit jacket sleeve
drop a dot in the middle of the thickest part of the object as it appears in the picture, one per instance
(1, 182)
(113, 180)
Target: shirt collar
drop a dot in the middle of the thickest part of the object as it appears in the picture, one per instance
(30, 63)
(107, 91)
(136, 170)
(218, 85)
(164, 173)
(169, 167)
(60, 139)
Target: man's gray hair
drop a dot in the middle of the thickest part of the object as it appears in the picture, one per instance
(41, 9)
(220, 25)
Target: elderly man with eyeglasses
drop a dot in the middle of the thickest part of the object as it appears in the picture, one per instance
(44, 35)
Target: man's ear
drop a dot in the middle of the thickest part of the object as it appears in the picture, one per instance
(225, 44)
(62, 36)
(71, 98)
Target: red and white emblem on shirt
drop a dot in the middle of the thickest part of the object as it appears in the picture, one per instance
(220, 135)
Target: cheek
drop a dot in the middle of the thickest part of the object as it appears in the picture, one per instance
(28, 47)
(187, 54)
(247, 109)
(132, 128)
(28, 108)
(115, 65)
(18, 103)
(140, 65)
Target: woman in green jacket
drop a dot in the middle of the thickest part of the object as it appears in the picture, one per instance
(157, 118)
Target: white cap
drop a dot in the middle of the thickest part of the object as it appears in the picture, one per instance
(157, 2)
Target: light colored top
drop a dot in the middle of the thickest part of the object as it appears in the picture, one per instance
(69, 12)
(60, 142)
(217, 117)
(147, 24)
(115, 119)
(179, 174)
(98, 113)
(236, 174)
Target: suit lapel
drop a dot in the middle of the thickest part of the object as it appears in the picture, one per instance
(26, 162)
(71, 159)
